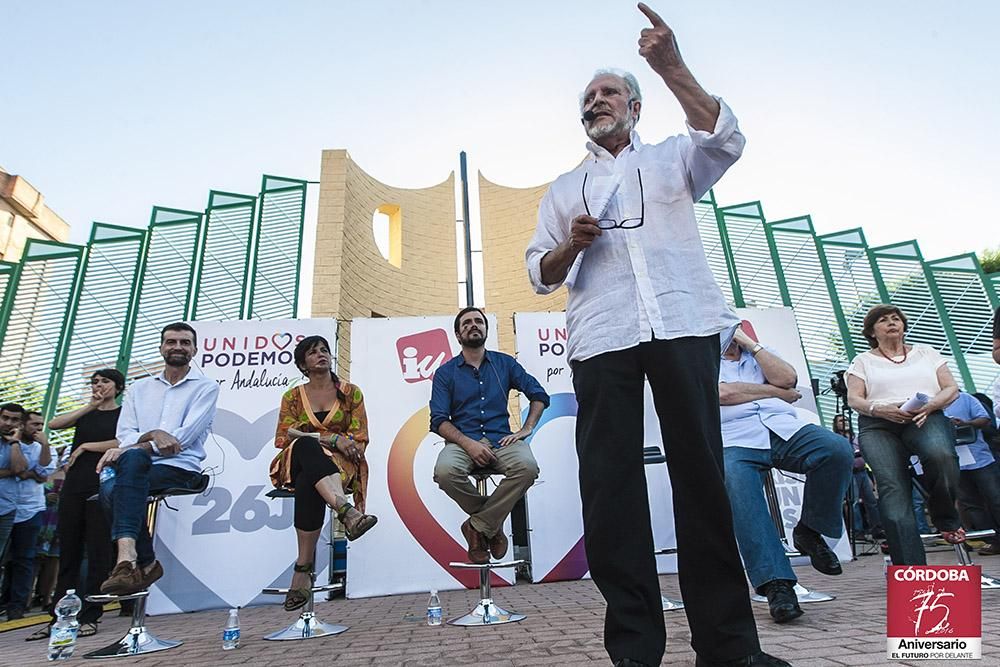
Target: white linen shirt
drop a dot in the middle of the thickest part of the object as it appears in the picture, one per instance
(653, 280)
(184, 410)
(750, 424)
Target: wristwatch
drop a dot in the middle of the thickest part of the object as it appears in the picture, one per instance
(755, 349)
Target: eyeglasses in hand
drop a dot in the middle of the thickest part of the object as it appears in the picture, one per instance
(611, 223)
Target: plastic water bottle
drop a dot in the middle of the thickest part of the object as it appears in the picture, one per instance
(62, 636)
(434, 609)
(886, 562)
(107, 472)
(231, 633)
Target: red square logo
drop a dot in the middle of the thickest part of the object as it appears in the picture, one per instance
(421, 354)
(934, 612)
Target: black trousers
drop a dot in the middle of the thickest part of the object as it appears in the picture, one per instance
(683, 374)
(83, 529)
(309, 465)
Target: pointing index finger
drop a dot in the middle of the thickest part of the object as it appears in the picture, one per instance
(653, 17)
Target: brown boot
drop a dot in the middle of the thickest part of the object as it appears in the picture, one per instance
(498, 545)
(477, 547)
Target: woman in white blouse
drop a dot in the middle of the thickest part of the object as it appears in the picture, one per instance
(879, 382)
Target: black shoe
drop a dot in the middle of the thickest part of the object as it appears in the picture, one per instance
(811, 543)
(782, 601)
(756, 660)
(629, 662)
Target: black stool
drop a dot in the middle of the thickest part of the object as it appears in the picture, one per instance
(801, 592)
(307, 626)
(138, 640)
(650, 456)
(486, 612)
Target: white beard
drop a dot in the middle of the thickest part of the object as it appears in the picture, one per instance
(607, 129)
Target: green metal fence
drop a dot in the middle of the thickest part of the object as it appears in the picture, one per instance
(67, 310)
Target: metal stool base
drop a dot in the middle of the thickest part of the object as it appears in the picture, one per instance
(137, 641)
(803, 594)
(487, 613)
(306, 627)
(670, 604)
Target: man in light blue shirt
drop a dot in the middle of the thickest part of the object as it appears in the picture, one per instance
(12, 464)
(761, 431)
(29, 498)
(979, 481)
(164, 422)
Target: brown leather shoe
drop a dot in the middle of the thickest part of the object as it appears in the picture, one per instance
(498, 545)
(477, 548)
(151, 577)
(125, 579)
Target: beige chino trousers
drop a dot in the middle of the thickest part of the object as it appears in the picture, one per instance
(487, 513)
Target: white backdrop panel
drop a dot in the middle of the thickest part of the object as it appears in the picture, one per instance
(220, 549)
(393, 361)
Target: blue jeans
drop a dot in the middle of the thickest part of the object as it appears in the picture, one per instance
(864, 493)
(919, 511)
(824, 457)
(6, 524)
(979, 495)
(124, 496)
(23, 543)
(887, 448)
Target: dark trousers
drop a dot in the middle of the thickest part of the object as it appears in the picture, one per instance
(979, 496)
(23, 543)
(83, 531)
(309, 465)
(683, 374)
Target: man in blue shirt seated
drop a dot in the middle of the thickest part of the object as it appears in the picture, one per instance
(164, 422)
(979, 483)
(761, 431)
(469, 410)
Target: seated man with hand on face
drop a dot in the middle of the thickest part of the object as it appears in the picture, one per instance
(469, 410)
(761, 431)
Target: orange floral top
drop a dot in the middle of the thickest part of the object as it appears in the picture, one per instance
(347, 418)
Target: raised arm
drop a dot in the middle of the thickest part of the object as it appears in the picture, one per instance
(658, 45)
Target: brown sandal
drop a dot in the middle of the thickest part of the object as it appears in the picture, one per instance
(355, 523)
(296, 598)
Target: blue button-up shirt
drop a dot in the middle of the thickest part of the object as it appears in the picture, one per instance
(184, 410)
(8, 485)
(750, 424)
(968, 408)
(475, 399)
(31, 494)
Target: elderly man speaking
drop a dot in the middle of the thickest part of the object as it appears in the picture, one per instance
(620, 232)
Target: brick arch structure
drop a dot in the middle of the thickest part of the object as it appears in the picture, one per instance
(351, 278)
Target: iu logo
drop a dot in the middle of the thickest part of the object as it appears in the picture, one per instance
(934, 613)
(421, 354)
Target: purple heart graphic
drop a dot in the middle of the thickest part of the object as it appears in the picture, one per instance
(247, 437)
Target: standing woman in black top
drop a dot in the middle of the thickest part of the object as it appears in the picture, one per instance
(82, 526)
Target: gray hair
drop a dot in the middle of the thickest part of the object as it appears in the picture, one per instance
(634, 93)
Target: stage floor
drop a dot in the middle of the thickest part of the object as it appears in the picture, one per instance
(564, 627)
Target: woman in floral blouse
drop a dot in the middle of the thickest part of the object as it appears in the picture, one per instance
(322, 434)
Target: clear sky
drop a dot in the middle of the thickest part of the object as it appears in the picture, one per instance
(878, 114)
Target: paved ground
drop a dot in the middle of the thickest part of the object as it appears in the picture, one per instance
(564, 627)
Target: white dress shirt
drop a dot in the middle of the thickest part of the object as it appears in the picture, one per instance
(184, 410)
(652, 280)
(750, 424)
